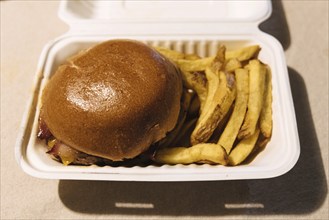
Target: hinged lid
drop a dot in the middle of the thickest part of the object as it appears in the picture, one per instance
(86, 15)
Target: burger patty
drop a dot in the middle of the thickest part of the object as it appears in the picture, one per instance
(68, 155)
(64, 153)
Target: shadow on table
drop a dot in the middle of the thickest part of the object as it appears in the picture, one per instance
(277, 25)
(302, 190)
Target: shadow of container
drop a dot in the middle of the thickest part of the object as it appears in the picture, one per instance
(277, 25)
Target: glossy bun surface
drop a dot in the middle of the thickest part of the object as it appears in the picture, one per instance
(113, 100)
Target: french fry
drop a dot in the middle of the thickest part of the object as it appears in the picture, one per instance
(194, 65)
(185, 61)
(221, 126)
(232, 64)
(223, 98)
(265, 119)
(231, 130)
(192, 57)
(171, 54)
(255, 102)
(212, 153)
(243, 54)
(262, 141)
(249, 119)
(197, 82)
(243, 149)
(220, 96)
(175, 55)
(213, 78)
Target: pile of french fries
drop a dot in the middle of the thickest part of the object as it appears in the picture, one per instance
(228, 108)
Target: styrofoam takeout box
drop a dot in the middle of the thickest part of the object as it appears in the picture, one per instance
(189, 26)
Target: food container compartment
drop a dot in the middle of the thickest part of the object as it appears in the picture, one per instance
(278, 157)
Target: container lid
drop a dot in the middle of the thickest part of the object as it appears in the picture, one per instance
(127, 11)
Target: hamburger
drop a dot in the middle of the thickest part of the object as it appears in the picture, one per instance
(110, 103)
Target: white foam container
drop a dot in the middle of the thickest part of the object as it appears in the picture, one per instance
(197, 26)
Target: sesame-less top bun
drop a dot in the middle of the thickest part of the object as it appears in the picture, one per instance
(113, 100)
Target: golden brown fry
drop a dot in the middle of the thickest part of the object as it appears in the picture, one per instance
(231, 130)
(186, 155)
(216, 89)
(255, 102)
(192, 57)
(171, 54)
(196, 79)
(261, 143)
(243, 54)
(197, 82)
(232, 64)
(218, 107)
(194, 65)
(219, 59)
(213, 77)
(265, 119)
(243, 149)
(221, 126)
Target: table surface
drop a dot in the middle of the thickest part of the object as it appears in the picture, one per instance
(302, 193)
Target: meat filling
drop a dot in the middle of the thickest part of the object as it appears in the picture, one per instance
(67, 155)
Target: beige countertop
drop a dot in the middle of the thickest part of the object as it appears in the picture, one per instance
(302, 193)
